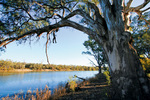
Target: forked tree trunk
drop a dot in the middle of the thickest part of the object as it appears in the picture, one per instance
(129, 81)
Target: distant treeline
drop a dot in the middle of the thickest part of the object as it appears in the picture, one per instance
(9, 65)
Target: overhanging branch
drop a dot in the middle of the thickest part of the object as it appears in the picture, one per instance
(39, 31)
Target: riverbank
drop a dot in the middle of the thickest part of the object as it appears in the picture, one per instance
(96, 88)
(30, 70)
(9, 66)
(89, 89)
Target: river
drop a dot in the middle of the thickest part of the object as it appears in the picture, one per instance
(11, 83)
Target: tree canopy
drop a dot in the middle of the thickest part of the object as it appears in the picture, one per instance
(141, 34)
(23, 19)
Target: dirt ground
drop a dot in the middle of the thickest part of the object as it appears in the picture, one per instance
(95, 90)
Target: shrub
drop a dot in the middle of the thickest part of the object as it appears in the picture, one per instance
(106, 73)
(146, 64)
(72, 84)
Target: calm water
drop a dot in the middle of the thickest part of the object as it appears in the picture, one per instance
(11, 83)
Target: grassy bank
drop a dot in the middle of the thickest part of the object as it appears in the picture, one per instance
(8, 65)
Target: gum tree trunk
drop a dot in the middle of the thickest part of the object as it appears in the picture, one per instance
(129, 81)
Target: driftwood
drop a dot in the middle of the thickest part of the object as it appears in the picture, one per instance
(67, 86)
(79, 77)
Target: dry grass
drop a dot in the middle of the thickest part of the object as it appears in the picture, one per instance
(96, 88)
(40, 95)
(58, 92)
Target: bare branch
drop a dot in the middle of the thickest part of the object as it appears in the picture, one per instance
(128, 4)
(127, 9)
(82, 13)
(92, 62)
(138, 8)
(145, 20)
(74, 6)
(145, 9)
(97, 12)
(142, 5)
(99, 25)
(46, 46)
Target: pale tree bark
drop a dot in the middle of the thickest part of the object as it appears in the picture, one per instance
(129, 81)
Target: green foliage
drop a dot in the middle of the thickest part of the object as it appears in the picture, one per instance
(9, 65)
(18, 17)
(72, 84)
(141, 34)
(101, 77)
(146, 64)
(106, 73)
(95, 50)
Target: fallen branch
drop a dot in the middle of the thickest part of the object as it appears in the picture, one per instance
(79, 77)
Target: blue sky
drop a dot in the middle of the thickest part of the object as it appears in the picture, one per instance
(67, 50)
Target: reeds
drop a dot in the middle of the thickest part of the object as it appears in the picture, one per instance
(47, 94)
(39, 95)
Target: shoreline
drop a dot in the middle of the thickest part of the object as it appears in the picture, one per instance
(24, 70)
(42, 70)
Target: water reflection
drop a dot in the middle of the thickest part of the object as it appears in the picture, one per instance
(11, 83)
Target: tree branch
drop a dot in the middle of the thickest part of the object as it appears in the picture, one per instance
(138, 8)
(107, 12)
(82, 13)
(99, 18)
(128, 4)
(39, 31)
(99, 25)
(145, 9)
(92, 62)
(117, 12)
(46, 46)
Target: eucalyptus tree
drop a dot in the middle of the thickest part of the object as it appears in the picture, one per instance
(95, 50)
(141, 34)
(106, 21)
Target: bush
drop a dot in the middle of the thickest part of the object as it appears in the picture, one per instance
(72, 84)
(8, 65)
(106, 73)
(146, 64)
